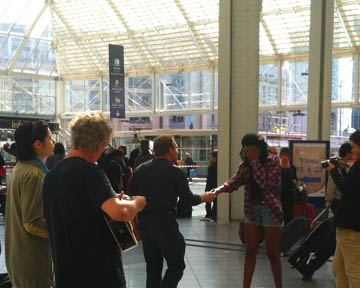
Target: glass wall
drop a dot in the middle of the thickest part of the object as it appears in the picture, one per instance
(268, 86)
(200, 89)
(344, 121)
(199, 147)
(82, 95)
(138, 93)
(173, 91)
(192, 90)
(278, 127)
(27, 96)
(343, 80)
(294, 86)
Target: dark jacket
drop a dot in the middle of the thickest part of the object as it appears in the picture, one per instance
(142, 158)
(348, 213)
(211, 181)
(161, 183)
(133, 155)
(54, 159)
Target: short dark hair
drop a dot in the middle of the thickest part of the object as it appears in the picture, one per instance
(285, 151)
(355, 137)
(214, 153)
(144, 145)
(345, 149)
(116, 153)
(162, 145)
(124, 148)
(25, 137)
(59, 148)
(253, 139)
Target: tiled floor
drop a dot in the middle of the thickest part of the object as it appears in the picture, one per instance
(209, 264)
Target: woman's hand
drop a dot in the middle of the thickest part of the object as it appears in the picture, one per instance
(219, 190)
(251, 152)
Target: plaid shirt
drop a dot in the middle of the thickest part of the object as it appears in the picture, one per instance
(268, 177)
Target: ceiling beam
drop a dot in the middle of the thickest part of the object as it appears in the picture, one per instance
(269, 36)
(194, 34)
(137, 44)
(83, 47)
(25, 39)
(344, 24)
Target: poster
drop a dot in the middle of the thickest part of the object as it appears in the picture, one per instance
(307, 157)
(116, 81)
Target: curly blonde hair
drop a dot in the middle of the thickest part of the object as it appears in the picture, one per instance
(88, 130)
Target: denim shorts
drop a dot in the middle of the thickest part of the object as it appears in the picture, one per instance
(262, 217)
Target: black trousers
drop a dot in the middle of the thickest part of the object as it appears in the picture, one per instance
(211, 210)
(288, 209)
(164, 242)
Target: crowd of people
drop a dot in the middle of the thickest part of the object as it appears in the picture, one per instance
(56, 234)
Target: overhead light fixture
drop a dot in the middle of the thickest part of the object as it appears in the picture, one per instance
(299, 113)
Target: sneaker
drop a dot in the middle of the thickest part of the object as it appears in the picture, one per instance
(205, 219)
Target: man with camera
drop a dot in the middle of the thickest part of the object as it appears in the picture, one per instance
(333, 194)
(347, 221)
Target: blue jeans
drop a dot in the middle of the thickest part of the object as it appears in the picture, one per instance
(262, 217)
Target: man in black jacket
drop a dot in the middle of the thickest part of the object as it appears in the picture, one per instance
(162, 183)
(211, 183)
(346, 261)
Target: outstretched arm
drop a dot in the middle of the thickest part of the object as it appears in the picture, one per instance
(123, 210)
(238, 179)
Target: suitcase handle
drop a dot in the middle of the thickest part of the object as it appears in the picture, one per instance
(325, 210)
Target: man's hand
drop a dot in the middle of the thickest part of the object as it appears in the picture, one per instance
(208, 197)
(140, 202)
(123, 196)
(330, 167)
(328, 204)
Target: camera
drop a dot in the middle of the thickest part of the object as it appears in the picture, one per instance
(333, 160)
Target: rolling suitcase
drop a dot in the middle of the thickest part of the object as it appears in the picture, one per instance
(305, 209)
(293, 231)
(316, 249)
(5, 281)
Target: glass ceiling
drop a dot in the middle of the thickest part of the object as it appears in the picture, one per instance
(163, 36)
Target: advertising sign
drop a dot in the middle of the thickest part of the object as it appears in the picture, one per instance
(116, 81)
(307, 157)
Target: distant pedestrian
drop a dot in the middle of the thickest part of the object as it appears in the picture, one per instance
(211, 183)
(144, 153)
(59, 154)
(288, 183)
(188, 162)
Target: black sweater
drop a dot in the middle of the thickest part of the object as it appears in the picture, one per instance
(161, 183)
(348, 213)
(211, 181)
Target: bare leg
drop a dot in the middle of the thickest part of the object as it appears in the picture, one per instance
(272, 236)
(252, 237)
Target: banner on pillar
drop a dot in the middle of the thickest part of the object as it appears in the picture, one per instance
(116, 81)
